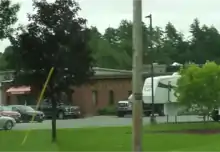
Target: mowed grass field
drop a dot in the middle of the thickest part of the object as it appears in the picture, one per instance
(113, 139)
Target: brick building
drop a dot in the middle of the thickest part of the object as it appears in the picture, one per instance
(106, 87)
(5, 78)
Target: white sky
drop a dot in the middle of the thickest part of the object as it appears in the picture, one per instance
(109, 13)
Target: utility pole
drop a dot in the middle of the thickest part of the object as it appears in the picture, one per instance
(137, 110)
(152, 118)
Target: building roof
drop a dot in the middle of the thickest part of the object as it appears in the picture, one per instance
(101, 73)
(112, 73)
(104, 71)
(7, 72)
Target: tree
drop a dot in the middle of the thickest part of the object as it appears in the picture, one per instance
(204, 44)
(120, 40)
(55, 37)
(103, 52)
(157, 54)
(174, 47)
(199, 87)
(8, 61)
(8, 16)
(113, 49)
(3, 63)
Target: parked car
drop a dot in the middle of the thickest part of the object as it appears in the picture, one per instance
(215, 115)
(63, 110)
(28, 112)
(124, 107)
(7, 123)
(7, 111)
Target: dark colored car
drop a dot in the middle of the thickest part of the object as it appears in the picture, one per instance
(215, 115)
(63, 110)
(7, 111)
(28, 112)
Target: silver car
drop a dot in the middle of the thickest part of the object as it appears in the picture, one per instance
(7, 123)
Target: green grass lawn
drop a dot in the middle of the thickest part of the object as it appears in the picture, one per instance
(112, 139)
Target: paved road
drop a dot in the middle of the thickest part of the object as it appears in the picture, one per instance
(99, 121)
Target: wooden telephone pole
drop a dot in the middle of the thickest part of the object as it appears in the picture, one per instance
(137, 110)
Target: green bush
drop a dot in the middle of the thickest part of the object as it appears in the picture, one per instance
(110, 110)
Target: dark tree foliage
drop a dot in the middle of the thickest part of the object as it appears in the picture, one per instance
(55, 37)
(7, 17)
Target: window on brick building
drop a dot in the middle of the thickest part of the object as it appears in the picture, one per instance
(111, 97)
(95, 97)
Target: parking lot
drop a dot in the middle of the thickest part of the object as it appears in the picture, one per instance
(100, 121)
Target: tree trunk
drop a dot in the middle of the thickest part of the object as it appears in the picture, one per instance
(54, 117)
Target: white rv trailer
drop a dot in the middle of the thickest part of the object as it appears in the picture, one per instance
(163, 89)
(164, 99)
(163, 93)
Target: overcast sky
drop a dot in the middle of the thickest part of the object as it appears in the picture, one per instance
(109, 13)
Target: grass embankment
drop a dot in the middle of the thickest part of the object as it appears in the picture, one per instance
(183, 126)
(113, 139)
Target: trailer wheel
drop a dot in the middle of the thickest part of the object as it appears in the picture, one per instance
(161, 113)
(215, 118)
(147, 114)
(120, 114)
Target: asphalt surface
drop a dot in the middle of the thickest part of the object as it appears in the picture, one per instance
(100, 121)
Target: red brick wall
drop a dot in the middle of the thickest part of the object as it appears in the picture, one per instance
(5, 95)
(83, 95)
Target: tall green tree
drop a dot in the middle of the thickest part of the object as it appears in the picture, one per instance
(113, 49)
(204, 44)
(8, 17)
(199, 87)
(7, 59)
(157, 53)
(120, 40)
(2, 62)
(55, 37)
(103, 52)
(174, 45)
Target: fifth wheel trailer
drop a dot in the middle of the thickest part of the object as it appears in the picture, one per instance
(165, 102)
(164, 99)
(163, 93)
